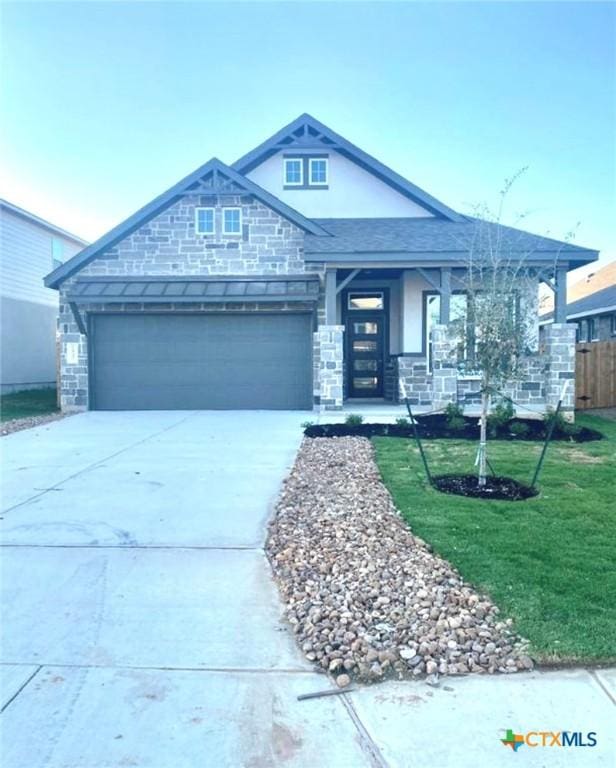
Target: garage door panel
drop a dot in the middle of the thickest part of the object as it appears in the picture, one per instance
(201, 361)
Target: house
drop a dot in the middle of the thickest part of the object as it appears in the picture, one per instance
(592, 306)
(305, 274)
(29, 248)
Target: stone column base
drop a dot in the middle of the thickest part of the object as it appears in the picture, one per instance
(444, 369)
(328, 367)
(559, 340)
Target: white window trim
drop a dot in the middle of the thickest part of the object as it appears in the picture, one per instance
(224, 228)
(312, 160)
(205, 208)
(299, 183)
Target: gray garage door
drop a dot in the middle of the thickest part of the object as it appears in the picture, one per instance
(225, 361)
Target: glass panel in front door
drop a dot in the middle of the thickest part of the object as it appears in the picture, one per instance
(365, 355)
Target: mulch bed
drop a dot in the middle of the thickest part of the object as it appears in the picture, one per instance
(365, 597)
(504, 488)
(435, 426)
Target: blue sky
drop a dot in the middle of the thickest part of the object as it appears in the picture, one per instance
(106, 105)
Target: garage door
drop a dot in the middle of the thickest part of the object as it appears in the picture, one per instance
(224, 361)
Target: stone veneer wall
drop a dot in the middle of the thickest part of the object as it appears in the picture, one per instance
(444, 368)
(417, 381)
(328, 359)
(168, 245)
(539, 388)
(559, 342)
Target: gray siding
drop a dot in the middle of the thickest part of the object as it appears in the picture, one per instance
(29, 310)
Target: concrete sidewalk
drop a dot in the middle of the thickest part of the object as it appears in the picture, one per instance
(141, 627)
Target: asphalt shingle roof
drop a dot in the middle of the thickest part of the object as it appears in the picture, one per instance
(589, 304)
(426, 235)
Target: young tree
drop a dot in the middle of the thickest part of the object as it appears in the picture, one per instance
(499, 325)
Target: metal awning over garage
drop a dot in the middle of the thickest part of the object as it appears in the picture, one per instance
(143, 290)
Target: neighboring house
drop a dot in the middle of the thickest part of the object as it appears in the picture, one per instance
(304, 274)
(592, 306)
(29, 248)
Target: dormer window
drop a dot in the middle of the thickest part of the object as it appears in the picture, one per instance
(293, 171)
(317, 171)
(305, 171)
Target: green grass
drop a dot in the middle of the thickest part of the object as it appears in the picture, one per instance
(32, 402)
(548, 562)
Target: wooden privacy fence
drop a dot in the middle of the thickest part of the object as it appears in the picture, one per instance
(595, 375)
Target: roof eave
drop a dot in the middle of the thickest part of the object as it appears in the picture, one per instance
(544, 258)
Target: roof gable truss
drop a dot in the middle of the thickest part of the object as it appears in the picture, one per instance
(308, 133)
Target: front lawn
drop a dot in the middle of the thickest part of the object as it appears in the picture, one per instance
(548, 562)
(31, 402)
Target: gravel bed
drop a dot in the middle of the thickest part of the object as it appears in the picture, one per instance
(16, 425)
(367, 599)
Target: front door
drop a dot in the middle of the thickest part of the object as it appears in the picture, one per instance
(365, 332)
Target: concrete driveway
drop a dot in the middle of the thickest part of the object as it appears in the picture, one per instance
(140, 625)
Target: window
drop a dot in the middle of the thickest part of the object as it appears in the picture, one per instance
(306, 172)
(368, 329)
(364, 346)
(317, 170)
(232, 221)
(204, 221)
(593, 332)
(613, 324)
(293, 171)
(57, 252)
(457, 314)
(365, 301)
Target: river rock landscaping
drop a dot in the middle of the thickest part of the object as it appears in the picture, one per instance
(365, 597)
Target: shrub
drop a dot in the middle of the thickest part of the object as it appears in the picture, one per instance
(455, 417)
(402, 421)
(519, 429)
(502, 414)
(307, 424)
(354, 420)
(456, 423)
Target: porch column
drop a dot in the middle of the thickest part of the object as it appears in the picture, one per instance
(328, 361)
(445, 296)
(444, 370)
(560, 295)
(559, 342)
(330, 297)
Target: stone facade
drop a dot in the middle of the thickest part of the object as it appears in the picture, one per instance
(168, 245)
(444, 368)
(414, 380)
(559, 341)
(271, 245)
(328, 357)
(538, 388)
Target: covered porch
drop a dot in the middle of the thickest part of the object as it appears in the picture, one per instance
(383, 333)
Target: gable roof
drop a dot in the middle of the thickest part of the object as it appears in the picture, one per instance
(306, 131)
(404, 237)
(218, 176)
(595, 304)
(23, 214)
